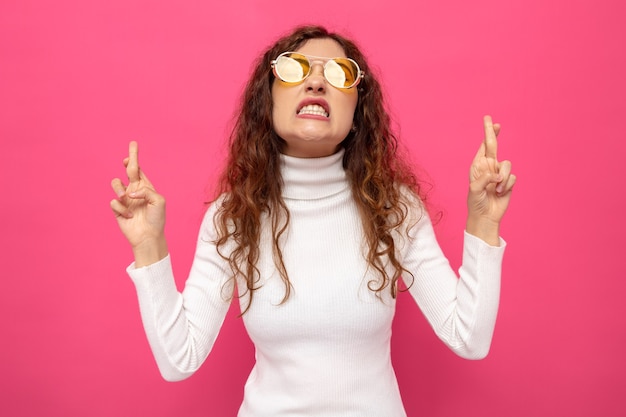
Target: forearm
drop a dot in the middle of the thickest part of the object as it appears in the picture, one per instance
(181, 327)
(462, 310)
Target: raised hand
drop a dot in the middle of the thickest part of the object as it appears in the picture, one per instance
(491, 182)
(140, 212)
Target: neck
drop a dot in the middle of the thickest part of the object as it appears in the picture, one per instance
(313, 178)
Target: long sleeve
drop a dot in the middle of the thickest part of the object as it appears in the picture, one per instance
(461, 309)
(182, 327)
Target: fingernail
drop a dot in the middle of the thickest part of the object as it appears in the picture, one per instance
(120, 193)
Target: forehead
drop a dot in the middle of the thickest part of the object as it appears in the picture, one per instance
(325, 47)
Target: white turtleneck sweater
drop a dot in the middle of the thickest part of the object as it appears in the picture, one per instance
(326, 350)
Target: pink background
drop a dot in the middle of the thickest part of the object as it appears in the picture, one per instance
(79, 79)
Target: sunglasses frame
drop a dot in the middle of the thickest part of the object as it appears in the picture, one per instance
(311, 58)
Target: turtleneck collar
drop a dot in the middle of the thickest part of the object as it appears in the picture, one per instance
(313, 178)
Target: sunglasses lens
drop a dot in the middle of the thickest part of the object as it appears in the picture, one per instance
(292, 68)
(341, 72)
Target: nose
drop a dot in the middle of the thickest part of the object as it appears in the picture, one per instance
(316, 82)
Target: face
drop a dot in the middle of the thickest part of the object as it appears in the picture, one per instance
(313, 117)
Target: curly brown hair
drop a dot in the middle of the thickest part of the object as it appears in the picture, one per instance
(251, 184)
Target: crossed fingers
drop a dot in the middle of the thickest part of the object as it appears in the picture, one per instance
(486, 160)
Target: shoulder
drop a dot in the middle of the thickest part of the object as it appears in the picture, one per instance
(411, 204)
(211, 221)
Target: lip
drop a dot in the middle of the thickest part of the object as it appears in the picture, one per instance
(320, 102)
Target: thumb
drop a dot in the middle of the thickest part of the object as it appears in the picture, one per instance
(147, 194)
(481, 183)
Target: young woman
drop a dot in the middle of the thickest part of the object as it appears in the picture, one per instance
(317, 220)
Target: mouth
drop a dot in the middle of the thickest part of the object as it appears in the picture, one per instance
(314, 108)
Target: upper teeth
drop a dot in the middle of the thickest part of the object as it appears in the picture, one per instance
(313, 109)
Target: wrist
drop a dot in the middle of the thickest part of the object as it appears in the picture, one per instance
(150, 251)
(484, 229)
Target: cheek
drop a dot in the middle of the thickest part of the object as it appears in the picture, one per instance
(348, 110)
(280, 102)
(278, 114)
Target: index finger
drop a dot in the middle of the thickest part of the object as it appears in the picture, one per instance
(491, 143)
(132, 169)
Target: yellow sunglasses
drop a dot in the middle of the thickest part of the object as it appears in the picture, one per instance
(294, 67)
